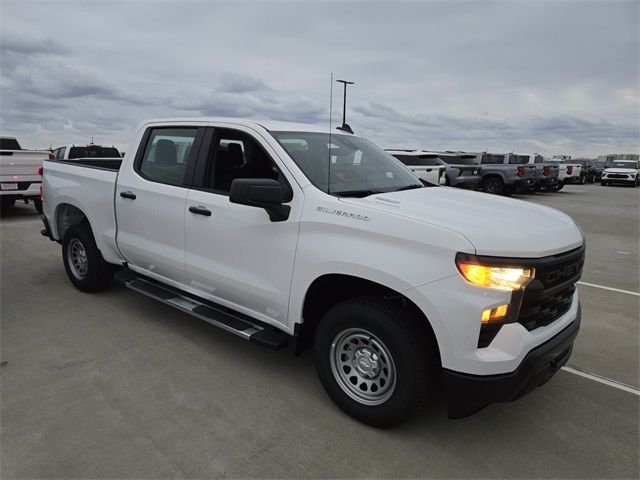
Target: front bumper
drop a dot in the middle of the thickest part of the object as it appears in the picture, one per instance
(467, 394)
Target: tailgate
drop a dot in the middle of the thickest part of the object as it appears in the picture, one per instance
(18, 163)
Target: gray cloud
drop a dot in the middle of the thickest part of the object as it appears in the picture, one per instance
(554, 77)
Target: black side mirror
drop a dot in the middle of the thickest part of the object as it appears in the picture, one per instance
(262, 193)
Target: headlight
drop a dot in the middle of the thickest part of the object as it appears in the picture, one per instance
(493, 276)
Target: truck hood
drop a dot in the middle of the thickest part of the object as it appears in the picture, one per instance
(495, 225)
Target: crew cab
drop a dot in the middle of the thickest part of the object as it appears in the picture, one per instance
(546, 172)
(424, 165)
(502, 175)
(290, 235)
(625, 172)
(19, 173)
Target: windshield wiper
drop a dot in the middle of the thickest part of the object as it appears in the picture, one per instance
(356, 193)
(409, 187)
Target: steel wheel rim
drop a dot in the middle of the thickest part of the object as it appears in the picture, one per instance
(77, 258)
(362, 366)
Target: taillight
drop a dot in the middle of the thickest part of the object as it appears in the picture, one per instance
(545, 171)
(569, 169)
(40, 169)
(51, 156)
(521, 171)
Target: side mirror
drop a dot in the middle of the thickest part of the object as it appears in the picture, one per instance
(262, 193)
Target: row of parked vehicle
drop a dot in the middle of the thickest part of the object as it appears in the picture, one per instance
(495, 173)
(20, 169)
(508, 173)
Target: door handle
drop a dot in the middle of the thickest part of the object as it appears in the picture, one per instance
(128, 194)
(200, 210)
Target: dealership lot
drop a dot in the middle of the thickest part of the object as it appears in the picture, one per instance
(116, 385)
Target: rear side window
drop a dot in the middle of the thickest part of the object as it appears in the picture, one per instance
(9, 144)
(419, 160)
(166, 154)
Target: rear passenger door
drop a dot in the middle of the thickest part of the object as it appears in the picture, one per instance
(150, 201)
(235, 255)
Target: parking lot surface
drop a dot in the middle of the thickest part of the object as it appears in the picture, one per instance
(116, 385)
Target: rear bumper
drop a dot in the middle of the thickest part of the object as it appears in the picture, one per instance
(524, 182)
(546, 181)
(467, 394)
(572, 180)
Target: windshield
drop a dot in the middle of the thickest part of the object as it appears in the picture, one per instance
(357, 166)
(624, 165)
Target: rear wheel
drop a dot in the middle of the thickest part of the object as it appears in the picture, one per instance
(375, 360)
(493, 185)
(603, 183)
(83, 262)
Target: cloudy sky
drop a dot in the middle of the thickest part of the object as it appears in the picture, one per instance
(527, 76)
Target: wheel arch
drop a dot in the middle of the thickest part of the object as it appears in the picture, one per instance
(67, 215)
(331, 289)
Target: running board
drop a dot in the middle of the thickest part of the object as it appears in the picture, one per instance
(225, 318)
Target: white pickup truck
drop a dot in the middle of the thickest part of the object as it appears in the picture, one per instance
(286, 234)
(19, 173)
(568, 173)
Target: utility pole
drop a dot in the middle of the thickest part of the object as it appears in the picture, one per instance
(344, 125)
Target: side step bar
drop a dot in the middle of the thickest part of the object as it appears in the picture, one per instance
(225, 318)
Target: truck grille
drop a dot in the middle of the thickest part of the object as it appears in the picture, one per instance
(548, 296)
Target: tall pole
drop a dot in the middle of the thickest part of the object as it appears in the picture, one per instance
(344, 103)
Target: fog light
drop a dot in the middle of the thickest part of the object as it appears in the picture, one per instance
(493, 314)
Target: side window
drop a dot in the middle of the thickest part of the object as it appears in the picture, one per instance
(166, 154)
(234, 155)
(406, 159)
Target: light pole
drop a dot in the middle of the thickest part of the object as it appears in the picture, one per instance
(344, 125)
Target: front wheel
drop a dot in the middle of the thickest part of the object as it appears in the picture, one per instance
(83, 262)
(493, 185)
(375, 360)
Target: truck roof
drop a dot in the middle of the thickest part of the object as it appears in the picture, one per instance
(271, 125)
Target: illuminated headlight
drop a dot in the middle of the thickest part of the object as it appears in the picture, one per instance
(507, 278)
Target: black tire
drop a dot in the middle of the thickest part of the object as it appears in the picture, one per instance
(6, 201)
(38, 204)
(559, 187)
(603, 183)
(493, 185)
(95, 274)
(582, 180)
(412, 356)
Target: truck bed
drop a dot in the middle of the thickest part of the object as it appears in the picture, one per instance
(87, 185)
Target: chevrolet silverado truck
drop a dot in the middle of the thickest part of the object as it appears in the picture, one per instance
(546, 172)
(292, 235)
(19, 173)
(501, 173)
(626, 172)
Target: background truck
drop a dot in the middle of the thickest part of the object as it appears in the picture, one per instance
(462, 170)
(426, 166)
(19, 174)
(546, 172)
(502, 174)
(569, 173)
(286, 234)
(71, 151)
